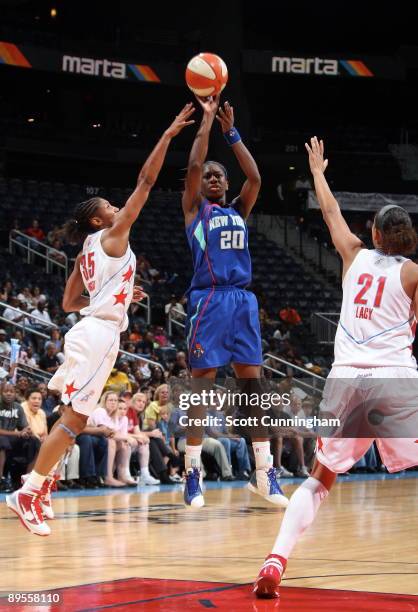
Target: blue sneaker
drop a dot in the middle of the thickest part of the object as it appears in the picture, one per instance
(264, 483)
(193, 496)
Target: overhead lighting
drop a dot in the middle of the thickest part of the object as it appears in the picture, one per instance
(53, 12)
(291, 167)
(96, 125)
(31, 119)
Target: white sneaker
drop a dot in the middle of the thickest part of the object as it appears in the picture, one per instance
(50, 484)
(147, 480)
(264, 483)
(27, 506)
(176, 478)
(283, 473)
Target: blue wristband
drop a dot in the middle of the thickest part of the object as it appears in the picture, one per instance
(232, 136)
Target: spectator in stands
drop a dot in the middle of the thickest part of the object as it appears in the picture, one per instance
(160, 337)
(27, 357)
(6, 290)
(290, 316)
(159, 457)
(180, 364)
(56, 340)
(119, 450)
(233, 444)
(22, 386)
(146, 346)
(175, 304)
(135, 334)
(41, 311)
(17, 443)
(118, 380)
(50, 399)
(4, 345)
(174, 454)
(50, 362)
(152, 412)
(36, 296)
(138, 441)
(35, 231)
(93, 444)
(56, 253)
(35, 416)
(144, 369)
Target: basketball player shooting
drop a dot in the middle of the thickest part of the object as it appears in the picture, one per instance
(373, 341)
(223, 325)
(105, 269)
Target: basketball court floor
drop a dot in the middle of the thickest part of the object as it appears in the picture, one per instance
(142, 550)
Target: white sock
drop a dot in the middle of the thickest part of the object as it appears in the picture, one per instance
(34, 482)
(262, 454)
(299, 515)
(145, 472)
(192, 457)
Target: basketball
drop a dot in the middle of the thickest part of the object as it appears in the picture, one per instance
(206, 74)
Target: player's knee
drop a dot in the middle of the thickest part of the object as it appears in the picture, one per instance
(75, 421)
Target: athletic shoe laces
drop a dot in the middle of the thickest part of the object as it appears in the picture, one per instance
(193, 482)
(274, 485)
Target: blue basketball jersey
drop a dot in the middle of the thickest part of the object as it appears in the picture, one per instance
(218, 239)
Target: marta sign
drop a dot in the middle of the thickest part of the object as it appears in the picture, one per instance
(304, 65)
(93, 67)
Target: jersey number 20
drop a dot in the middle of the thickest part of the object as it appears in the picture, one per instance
(232, 239)
(367, 280)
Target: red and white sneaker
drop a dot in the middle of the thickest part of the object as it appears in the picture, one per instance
(267, 584)
(49, 485)
(27, 506)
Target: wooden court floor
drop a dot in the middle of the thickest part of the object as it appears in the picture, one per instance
(365, 539)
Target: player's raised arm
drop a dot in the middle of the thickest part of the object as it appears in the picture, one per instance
(147, 178)
(251, 187)
(73, 300)
(346, 243)
(192, 186)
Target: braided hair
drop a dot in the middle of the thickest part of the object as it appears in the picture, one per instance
(398, 234)
(79, 227)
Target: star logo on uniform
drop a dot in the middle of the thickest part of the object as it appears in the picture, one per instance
(128, 275)
(120, 298)
(70, 389)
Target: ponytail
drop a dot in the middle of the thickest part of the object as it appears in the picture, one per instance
(78, 228)
(398, 234)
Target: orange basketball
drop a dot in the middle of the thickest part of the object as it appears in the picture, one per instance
(206, 74)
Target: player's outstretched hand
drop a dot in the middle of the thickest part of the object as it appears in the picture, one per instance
(138, 294)
(181, 121)
(225, 117)
(317, 162)
(210, 104)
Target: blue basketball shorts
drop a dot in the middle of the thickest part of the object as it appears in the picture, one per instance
(223, 327)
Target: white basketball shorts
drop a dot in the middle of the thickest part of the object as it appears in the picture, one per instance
(340, 454)
(91, 348)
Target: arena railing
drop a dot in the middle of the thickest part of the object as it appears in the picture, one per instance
(25, 327)
(136, 357)
(316, 383)
(174, 321)
(35, 248)
(324, 326)
(29, 370)
(145, 304)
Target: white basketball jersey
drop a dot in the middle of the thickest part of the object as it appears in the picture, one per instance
(377, 321)
(108, 280)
